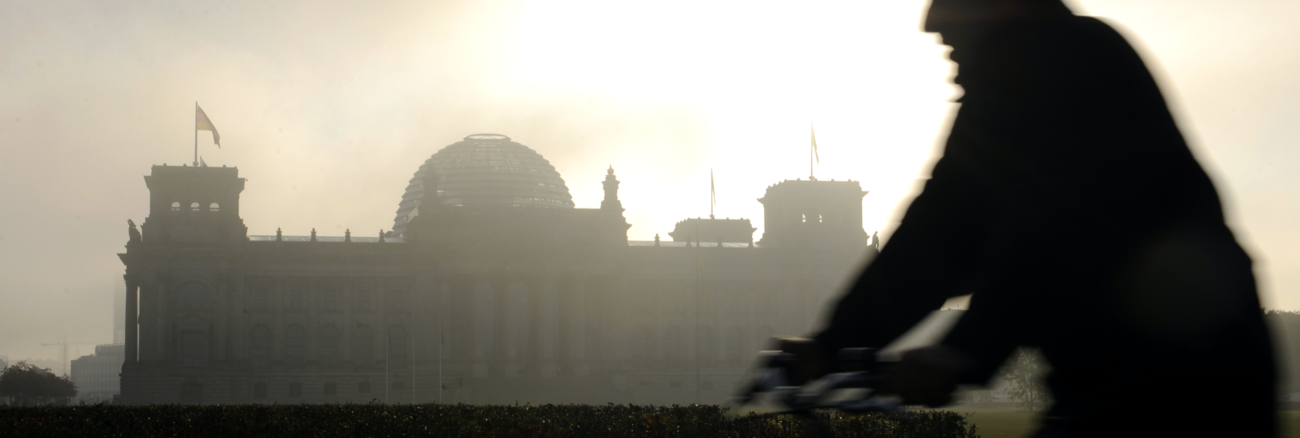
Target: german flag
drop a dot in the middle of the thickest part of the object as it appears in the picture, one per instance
(201, 123)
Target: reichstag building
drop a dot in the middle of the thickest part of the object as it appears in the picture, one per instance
(491, 287)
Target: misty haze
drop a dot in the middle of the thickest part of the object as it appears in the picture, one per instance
(506, 202)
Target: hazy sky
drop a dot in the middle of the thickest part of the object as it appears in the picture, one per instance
(328, 108)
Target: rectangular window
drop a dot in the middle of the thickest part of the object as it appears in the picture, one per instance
(363, 300)
(295, 300)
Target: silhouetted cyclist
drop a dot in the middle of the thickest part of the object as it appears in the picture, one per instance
(1099, 239)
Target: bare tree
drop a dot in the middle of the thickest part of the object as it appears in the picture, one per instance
(1024, 374)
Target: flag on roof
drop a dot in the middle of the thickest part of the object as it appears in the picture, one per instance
(814, 144)
(201, 123)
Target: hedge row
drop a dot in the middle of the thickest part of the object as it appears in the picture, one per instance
(377, 420)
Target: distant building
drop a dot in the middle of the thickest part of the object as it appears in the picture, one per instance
(491, 288)
(97, 375)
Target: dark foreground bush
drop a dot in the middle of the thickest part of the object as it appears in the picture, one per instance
(377, 420)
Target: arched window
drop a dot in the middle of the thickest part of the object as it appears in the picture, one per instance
(328, 353)
(194, 206)
(329, 296)
(259, 346)
(176, 206)
(295, 345)
(193, 296)
(363, 346)
(214, 207)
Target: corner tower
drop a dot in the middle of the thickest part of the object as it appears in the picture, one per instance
(814, 214)
(194, 204)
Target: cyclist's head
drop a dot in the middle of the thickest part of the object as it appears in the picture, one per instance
(944, 14)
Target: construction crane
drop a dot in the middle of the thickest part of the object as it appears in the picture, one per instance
(63, 358)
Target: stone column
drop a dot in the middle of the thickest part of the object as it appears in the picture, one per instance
(132, 319)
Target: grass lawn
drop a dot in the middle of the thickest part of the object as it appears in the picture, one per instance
(1011, 423)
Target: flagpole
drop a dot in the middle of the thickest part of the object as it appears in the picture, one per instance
(196, 133)
(713, 194)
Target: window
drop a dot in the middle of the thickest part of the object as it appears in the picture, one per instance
(329, 296)
(398, 300)
(176, 206)
(328, 354)
(363, 346)
(259, 345)
(296, 301)
(295, 345)
(194, 206)
(398, 348)
(214, 207)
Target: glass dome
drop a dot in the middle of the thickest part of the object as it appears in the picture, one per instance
(485, 170)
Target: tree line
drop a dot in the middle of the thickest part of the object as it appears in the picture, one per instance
(26, 384)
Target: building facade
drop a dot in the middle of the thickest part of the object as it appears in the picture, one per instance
(492, 287)
(97, 376)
